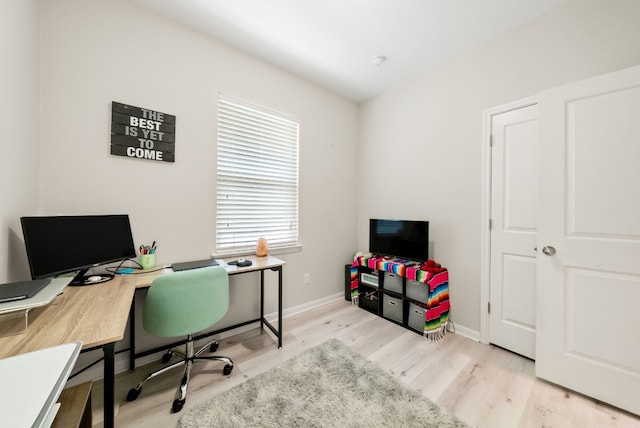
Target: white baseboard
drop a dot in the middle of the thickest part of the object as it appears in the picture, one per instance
(467, 332)
(96, 372)
(272, 317)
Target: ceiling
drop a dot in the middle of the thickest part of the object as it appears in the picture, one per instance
(332, 42)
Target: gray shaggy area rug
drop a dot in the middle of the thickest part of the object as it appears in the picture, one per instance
(326, 386)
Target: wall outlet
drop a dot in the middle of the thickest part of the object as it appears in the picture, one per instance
(307, 279)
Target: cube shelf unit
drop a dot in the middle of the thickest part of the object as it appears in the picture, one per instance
(393, 297)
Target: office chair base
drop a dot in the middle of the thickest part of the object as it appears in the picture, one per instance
(177, 405)
(186, 359)
(133, 393)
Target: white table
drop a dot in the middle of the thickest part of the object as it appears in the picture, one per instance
(32, 383)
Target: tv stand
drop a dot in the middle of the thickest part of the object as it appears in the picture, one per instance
(411, 294)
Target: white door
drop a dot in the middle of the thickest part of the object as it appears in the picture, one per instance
(514, 176)
(588, 316)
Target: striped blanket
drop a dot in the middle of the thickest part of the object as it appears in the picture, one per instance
(436, 277)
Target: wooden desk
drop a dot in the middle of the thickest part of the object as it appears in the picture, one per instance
(260, 264)
(95, 315)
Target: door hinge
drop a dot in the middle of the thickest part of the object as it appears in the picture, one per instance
(489, 307)
(491, 141)
(490, 224)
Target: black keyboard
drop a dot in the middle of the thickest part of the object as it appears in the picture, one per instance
(193, 265)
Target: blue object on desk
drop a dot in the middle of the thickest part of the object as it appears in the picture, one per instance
(124, 271)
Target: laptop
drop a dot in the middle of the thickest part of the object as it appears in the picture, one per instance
(193, 265)
(13, 291)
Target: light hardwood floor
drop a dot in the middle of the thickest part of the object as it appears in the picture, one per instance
(485, 386)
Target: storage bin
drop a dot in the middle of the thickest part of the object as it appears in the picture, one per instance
(392, 308)
(417, 291)
(392, 282)
(415, 321)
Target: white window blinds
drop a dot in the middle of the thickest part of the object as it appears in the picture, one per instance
(257, 177)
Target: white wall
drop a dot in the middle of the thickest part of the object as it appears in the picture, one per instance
(19, 121)
(97, 52)
(421, 141)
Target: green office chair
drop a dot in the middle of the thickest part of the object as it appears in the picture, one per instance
(181, 304)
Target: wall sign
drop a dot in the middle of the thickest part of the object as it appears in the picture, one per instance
(142, 133)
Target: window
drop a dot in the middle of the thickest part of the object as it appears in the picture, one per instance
(257, 177)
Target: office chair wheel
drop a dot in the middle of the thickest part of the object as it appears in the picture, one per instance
(133, 394)
(214, 347)
(167, 356)
(177, 405)
(227, 369)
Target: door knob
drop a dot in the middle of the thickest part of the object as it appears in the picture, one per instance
(548, 250)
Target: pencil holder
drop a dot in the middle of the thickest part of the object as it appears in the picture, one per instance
(147, 261)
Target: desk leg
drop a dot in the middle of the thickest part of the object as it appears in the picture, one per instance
(261, 300)
(280, 307)
(132, 335)
(109, 384)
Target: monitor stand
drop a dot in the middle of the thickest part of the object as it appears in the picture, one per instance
(81, 279)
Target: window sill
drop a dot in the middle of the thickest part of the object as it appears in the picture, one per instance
(272, 251)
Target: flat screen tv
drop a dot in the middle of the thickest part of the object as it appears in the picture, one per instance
(61, 244)
(404, 239)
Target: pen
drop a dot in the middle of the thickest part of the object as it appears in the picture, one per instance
(146, 249)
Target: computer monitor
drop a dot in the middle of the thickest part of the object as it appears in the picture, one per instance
(61, 244)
